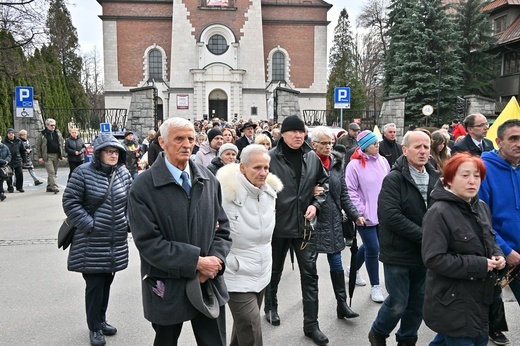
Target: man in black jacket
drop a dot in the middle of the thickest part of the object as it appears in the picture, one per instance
(388, 147)
(474, 142)
(300, 170)
(18, 156)
(402, 203)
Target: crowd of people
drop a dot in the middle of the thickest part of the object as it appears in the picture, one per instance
(439, 210)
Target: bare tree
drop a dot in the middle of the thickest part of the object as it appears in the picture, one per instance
(92, 78)
(25, 20)
(374, 16)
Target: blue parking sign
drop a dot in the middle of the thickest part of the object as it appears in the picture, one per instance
(342, 97)
(24, 97)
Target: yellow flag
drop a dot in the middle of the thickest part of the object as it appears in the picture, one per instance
(377, 133)
(511, 111)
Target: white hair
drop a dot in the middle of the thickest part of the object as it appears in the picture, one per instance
(250, 150)
(174, 123)
(321, 131)
(387, 126)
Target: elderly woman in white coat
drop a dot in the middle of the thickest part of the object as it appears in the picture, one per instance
(249, 199)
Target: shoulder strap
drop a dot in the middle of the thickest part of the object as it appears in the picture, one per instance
(106, 193)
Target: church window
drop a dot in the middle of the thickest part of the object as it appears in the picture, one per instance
(155, 65)
(278, 66)
(217, 44)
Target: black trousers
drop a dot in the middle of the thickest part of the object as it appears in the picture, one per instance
(18, 173)
(306, 258)
(207, 331)
(97, 293)
(72, 167)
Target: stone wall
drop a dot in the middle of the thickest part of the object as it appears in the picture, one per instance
(480, 104)
(286, 103)
(141, 113)
(392, 111)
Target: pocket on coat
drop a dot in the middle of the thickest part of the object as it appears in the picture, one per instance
(232, 264)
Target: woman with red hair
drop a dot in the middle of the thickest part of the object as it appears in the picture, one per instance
(461, 255)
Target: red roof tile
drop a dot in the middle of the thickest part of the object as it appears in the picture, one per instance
(512, 33)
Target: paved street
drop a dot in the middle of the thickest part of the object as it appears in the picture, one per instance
(41, 303)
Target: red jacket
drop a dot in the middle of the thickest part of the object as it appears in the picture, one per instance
(458, 131)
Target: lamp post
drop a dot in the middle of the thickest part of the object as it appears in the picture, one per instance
(438, 95)
(374, 84)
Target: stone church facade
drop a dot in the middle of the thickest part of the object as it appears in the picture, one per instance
(215, 57)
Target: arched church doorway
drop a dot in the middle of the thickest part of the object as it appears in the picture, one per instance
(218, 104)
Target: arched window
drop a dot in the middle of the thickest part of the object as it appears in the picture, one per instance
(155, 65)
(278, 66)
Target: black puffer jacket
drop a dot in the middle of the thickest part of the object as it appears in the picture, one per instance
(215, 165)
(457, 241)
(71, 146)
(100, 242)
(293, 200)
(18, 152)
(400, 210)
(329, 231)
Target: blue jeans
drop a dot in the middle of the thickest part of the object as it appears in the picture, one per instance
(405, 287)
(369, 253)
(444, 340)
(335, 262)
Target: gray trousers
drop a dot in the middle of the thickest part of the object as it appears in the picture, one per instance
(51, 166)
(247, 328)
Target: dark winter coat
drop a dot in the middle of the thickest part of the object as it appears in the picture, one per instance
(27, 145)
(132, 155)
(457, 241)
(171, 233)
(329, 231)
(5, 154)
(40, 150)
(71, 146)
(467, 145)
(390, 150)
(18, 152)
(153, 150)
(100, 242)
(293, 200)
(215, 165)
(400, 210)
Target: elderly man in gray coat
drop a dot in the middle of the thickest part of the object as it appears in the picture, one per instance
(183, 237)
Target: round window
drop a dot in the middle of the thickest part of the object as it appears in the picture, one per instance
(217, 44)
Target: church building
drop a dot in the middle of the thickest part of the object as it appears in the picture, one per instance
(215, 58)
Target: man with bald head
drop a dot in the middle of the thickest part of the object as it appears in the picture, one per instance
(402, 203)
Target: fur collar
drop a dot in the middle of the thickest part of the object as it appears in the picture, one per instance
(230, 184)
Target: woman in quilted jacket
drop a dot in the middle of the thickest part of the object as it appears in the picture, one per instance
(99, 247)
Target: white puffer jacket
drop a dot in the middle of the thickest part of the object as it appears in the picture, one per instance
(251, 213)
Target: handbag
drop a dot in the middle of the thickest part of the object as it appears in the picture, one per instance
(67, 228)
(5, 172)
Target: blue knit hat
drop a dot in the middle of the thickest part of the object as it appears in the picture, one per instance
(366, 138)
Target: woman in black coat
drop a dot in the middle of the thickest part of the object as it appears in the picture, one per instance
(461, 254)
(329, 230)
(99, 247)
(75, 149)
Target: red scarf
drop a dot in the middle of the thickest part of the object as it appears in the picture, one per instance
(358, 155)
(325, 160)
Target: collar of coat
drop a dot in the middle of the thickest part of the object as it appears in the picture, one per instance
(231, 190)
(161, 176)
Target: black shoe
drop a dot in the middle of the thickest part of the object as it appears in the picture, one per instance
(2, 197)
(376, 340)
(107, 329)
(499, 338)
(21, 190)
(10, 190)
(272, 317)
(97, 338)
(318, 337)
(37, 182)
(55, 190)
(49, 189)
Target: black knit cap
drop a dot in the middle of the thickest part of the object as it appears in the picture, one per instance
(214, 133)
(292, 123)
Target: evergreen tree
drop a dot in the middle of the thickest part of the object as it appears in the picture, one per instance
(343, 70)
(476, 41)
(423, 60)
(64, 41)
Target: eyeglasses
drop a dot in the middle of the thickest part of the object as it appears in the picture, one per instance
(53, 125)
(324, 143)
(111, 152)
(481, 125)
